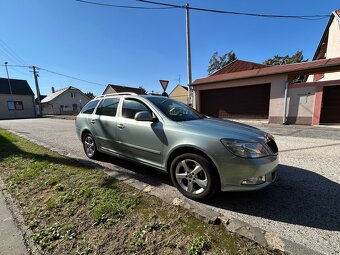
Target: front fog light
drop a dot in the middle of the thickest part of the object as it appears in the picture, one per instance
(254, 180)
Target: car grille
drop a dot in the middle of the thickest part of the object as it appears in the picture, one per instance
(272, 145)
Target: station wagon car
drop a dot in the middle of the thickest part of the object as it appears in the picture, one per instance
(202, 155)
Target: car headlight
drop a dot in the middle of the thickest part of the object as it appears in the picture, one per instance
(246, 149)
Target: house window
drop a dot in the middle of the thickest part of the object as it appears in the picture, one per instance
(73, 95)
(15, 105)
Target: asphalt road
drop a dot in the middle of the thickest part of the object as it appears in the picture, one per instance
(302, 206)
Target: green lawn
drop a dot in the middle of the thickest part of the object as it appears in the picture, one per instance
(74, 209)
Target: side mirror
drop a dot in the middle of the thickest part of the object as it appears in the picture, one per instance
(144, 116)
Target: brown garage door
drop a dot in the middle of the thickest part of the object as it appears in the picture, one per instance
(330, 111)
(239, 102)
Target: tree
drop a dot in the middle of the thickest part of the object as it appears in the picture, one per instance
(90, 95)
(283, 60)
(217, 62)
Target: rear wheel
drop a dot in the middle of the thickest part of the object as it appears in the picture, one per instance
(90, 147)
(194, 176)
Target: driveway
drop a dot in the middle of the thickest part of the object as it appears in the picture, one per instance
(302, 206)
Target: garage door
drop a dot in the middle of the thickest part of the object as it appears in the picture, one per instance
(330, 111)
(238, 102)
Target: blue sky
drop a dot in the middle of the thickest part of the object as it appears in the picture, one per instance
(140, 47)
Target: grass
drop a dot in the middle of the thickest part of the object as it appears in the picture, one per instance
(73, 209)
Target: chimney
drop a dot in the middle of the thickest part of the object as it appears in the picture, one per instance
(52, 89)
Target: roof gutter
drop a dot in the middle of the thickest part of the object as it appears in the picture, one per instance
(298, 71)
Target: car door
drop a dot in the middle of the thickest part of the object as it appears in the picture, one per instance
(104, 124)
(140, 140)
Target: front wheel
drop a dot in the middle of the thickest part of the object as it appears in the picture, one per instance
(90, 146)
(194, 176)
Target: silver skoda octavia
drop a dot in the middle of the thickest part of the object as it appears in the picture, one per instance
(202, 155)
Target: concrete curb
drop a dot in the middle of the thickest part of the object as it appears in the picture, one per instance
(27, 234)
(203, 211)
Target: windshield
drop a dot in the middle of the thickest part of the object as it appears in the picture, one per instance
(176, 110)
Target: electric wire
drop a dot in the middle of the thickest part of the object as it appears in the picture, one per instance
(70, 77)
(11, 52)
(56, 73)
(124, 6)
(304, 17)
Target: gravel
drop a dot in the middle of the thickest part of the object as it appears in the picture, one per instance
(302, 206)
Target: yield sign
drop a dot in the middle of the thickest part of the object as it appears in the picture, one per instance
(164, 84)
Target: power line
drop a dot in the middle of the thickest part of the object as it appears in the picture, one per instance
(304, 17)
(124, 6)
(70, 77)
(10, 51)
(15, 65)
(56, 73)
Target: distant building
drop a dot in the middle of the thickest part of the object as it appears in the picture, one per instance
(16, 99)
(119, 89)
(66, 101)
(180, 93)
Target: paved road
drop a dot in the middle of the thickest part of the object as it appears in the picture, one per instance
(302, 206)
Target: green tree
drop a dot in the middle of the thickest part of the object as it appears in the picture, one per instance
(283, 60)
(217, 62)
(90, 95)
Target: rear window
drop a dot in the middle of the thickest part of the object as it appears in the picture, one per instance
(108, 107)
(89, 107)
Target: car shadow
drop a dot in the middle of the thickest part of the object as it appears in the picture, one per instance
(299, 197)
(125, 168)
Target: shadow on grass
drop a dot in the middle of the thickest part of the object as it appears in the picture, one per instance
(122, 169)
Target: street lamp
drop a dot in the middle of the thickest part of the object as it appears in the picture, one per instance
(9, 82)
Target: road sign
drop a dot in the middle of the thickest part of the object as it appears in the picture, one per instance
(164, 84)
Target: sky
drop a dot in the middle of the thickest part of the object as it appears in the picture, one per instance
(135, 48)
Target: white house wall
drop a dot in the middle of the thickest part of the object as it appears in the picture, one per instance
(277, 89)
(65, 99)
(28, 105)
(333, 49)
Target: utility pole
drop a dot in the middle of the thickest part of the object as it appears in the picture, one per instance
(188, 44)
(37, 88)
(9, 82)
(190, 92)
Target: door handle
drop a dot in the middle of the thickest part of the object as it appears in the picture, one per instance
(93, 121)
(120, 126)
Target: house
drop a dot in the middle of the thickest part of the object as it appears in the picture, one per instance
(180, 93)
(329, 47)
(66, 101)
(119, 89)
(244, 89)
(271, 93)
(16, 99)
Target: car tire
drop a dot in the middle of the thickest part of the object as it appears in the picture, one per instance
(194, 176)
(90, 146)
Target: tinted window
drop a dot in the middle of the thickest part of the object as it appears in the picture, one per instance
(176, 110)
(108, 107)
(89, 107)
(131, 107)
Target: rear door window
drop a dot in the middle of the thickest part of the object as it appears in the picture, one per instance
(89, 107)
(108, 107)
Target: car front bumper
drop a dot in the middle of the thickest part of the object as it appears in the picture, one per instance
(236, 173)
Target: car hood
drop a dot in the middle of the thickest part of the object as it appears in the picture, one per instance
(223, 129)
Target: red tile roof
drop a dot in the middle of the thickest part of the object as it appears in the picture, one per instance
(238, 66)
(332, 64)
(120, 89)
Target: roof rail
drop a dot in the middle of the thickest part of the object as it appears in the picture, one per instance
(116, 94)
